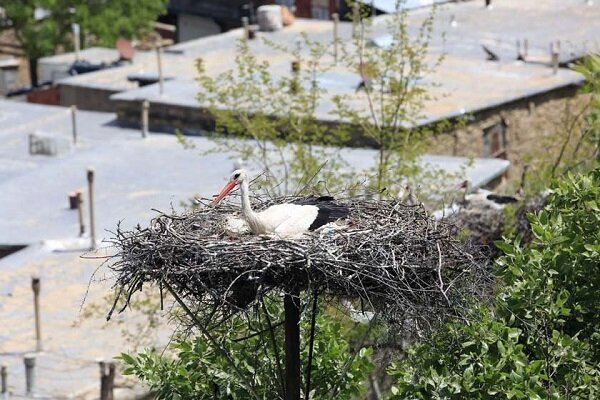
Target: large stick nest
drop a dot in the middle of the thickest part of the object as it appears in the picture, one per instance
(392, 257)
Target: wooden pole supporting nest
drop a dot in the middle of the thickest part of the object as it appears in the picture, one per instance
(291, 304)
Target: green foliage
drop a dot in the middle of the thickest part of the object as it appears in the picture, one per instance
(101, 22)
(244, 102)
(394, 94)
(541, 340)
(197, 370)
(279, 114)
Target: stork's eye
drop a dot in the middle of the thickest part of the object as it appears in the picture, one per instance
(236, 176)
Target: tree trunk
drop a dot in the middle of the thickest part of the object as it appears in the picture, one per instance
(33, 76)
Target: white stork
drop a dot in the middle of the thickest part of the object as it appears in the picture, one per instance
(484, 198)
(286, 220)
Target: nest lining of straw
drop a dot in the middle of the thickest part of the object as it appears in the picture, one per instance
(392, 257)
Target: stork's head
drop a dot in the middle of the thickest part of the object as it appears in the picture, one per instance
(237, 177)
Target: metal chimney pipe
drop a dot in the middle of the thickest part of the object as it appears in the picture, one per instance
(74, 123)
(36, 286)
(80, 212)
(555, 57)
(29, 361)
(246, 26)
(336, 23)
(76, 44)
(161, 80)
(4, 382)
(145, 118)
(90, 179)
(555, 62)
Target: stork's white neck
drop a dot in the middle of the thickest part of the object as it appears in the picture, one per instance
(256, 226)
(246, 208)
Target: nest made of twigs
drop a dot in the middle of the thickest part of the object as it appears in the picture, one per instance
(392, 257)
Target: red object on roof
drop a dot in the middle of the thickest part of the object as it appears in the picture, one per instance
(126, 51)
(48, 96)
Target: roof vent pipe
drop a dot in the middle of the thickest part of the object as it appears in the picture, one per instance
(29, 361)
(555, 56)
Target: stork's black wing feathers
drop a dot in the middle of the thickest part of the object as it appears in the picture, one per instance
(329, 210)
(501, 199)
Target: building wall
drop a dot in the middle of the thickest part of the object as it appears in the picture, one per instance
(8, 79)
(533, 128)
(91, 99)
(164, 117)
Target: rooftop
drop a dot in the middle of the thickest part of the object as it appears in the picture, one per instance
(75, 335)
(116, 79)
(466, 81)
(133, 176)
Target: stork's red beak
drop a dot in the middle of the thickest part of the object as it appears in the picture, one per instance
(228, 188)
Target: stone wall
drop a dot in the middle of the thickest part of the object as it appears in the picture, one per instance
(86, 98)
(533, 128)
(165, 117)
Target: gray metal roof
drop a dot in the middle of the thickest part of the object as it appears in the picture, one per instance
(467, 82)
(132, 175)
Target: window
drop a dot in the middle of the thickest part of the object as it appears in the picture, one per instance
(494, 140)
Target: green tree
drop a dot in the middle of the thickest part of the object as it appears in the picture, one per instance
(244, 101)
(394, 91)
(199, 370)
(101, 22)
(281, 116)
(541, 339)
